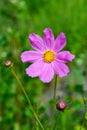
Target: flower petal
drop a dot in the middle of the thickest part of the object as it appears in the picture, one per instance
(47, 73)
(30, 56)
(48, 38)
(35, 69)
(65, 56)
(60, 69)
(60, 42)
(36, 42)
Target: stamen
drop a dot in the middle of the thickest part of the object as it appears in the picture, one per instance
(49, 56)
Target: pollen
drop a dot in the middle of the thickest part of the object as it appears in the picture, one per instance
(49, 56)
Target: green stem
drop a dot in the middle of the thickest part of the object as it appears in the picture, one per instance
(85, 109)
(29, 102)
(54, 99)
(55, 86)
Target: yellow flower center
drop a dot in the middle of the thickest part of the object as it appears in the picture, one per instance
(49, 56)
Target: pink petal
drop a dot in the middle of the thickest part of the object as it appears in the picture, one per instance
(48, 38)
(60, 69)
(60, 42)
(35, 69)
(47, 73)
(36, 42)
(30, 56)
(65, 56)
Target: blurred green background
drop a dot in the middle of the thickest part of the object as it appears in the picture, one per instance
(19, 18)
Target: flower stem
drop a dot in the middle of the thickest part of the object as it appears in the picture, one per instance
(55, 86)
(85, 110)
(54, 98)
(29, 102)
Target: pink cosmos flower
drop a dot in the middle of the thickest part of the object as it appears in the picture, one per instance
(47, 59)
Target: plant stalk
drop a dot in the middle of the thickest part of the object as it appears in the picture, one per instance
(29, 102)
(54, 99)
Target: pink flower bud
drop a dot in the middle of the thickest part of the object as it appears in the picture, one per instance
(8, 63)
(61, 105)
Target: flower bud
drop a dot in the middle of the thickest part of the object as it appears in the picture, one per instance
(61, 105)
(8, 63)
